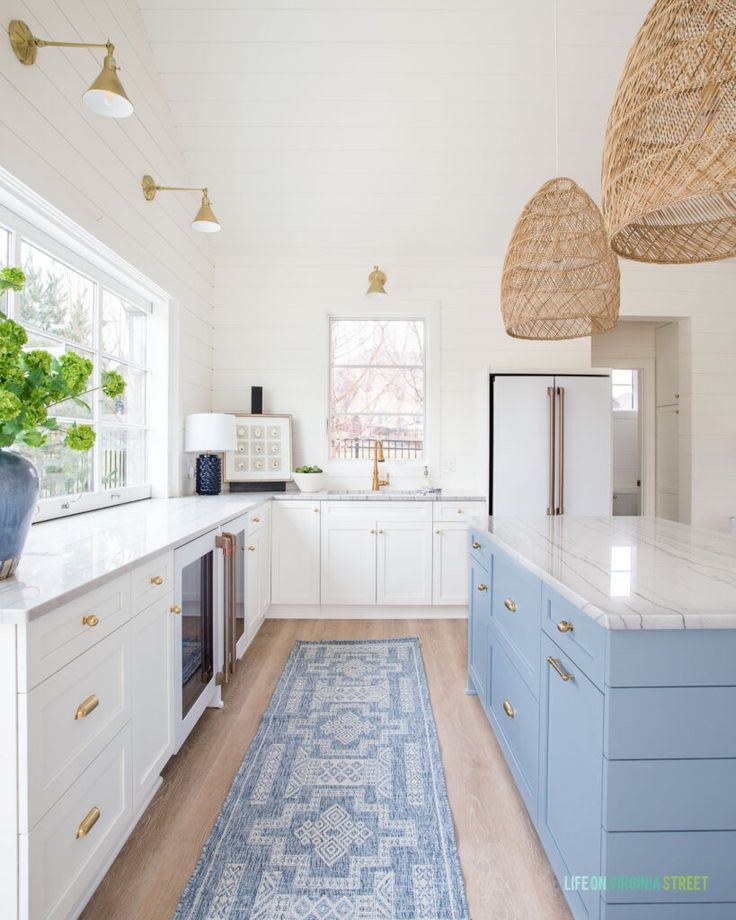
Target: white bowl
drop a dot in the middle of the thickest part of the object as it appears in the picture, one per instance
(310, 482)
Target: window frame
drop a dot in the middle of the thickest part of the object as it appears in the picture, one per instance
(22, 229)
(621, 413)
(429, 314)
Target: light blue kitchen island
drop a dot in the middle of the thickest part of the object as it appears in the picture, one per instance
(603, 651)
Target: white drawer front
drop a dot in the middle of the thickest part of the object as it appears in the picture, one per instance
(69, 719)
(53, 639)
(412, 511)
(152, 580)
(57, 866)
(257, 519)
(458, 511)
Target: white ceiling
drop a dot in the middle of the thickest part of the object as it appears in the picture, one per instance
(418, 126)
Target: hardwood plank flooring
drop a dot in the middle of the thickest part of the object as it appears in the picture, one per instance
(507, 876)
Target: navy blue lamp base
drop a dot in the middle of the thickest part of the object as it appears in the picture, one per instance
(209, 474)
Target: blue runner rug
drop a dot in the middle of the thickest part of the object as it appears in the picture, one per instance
(339, 810)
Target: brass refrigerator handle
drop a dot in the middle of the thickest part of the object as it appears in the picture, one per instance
(228, 543)
(561, 452)
(551, 501)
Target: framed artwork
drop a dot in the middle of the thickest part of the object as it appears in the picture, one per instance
(263, 450)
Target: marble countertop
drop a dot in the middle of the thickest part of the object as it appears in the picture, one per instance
(398, 495)
(64, 558)
(629, 572)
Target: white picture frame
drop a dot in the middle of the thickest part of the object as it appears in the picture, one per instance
(263, 453)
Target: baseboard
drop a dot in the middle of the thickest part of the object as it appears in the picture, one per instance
(354, 612)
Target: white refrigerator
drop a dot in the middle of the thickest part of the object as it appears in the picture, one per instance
(550, 444)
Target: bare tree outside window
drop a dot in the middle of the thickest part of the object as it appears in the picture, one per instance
(377, 388)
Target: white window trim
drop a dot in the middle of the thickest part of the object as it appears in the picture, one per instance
(29, 215)
(429, 312)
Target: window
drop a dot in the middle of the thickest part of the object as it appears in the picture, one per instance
(624, 390)
(377, 388)
(69, 305)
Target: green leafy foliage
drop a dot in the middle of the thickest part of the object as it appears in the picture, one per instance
(32, 382)
(308, 469)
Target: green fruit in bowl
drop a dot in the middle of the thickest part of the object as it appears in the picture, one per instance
(308, 469)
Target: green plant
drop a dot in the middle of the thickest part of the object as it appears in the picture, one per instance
(308, 469)
(33, 382)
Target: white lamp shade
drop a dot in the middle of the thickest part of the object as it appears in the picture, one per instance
(210, 431)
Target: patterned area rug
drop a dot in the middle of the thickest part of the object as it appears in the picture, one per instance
(339, 810)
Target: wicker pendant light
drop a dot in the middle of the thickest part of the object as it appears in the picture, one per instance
(669, 162)
(560, 278)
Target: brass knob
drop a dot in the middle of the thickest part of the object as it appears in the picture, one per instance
(157, 580)
(256, 520)
(372, 532)
(565, 626)
(459, 510)
(438, 531)
(88, 822)
(380, 531)
(85, 708)
(90, 619)
(475, 544)
(509, 709)
(175, 609)
(316, 510)
(251, 549)
(482, 587)
(510, 605)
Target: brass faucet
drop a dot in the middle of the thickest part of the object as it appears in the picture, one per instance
(378, 458)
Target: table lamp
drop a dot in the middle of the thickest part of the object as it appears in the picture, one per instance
(210, 433)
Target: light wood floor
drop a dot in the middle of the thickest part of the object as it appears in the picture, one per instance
(507, 876)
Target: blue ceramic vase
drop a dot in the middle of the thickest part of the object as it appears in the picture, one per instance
(18, 495)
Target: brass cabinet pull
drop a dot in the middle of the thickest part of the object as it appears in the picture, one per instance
(438, 532)
(372, 532)
(251, 549)
(90, 619)
(256, 520)
(156, 580)
(88, 822)
(509, 709)
(565, 626)
(175, 609)
(510, 605)
(316, 510)
(380, 531)
(85, 708)
(459, 510)
(557, 665)
(482, 587)
(475, 544)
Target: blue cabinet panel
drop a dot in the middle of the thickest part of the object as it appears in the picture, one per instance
(514, 714)
(571, 774)
(480, 547)
(694, 853)
(650, 723)
(478, 625)
(670, 795)
(576, 633)
(516, 612)
(671, 658)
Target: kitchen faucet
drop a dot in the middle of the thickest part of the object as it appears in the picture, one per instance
(378, 458)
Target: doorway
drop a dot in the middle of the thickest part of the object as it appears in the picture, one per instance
(627, 445)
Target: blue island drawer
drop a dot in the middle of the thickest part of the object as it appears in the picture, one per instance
(683, 855)
(516, 612)
(515, 717)
(576, 633)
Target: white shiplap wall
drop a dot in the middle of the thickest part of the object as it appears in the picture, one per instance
(90, 167)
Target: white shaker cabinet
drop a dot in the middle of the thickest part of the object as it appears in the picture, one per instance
(295, 563)
(404, 562)
(348, 561)
(450, 564)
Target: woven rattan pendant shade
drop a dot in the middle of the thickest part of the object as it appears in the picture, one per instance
(669, 162)
(560, 278)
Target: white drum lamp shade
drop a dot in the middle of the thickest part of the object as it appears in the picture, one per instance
(210, 432)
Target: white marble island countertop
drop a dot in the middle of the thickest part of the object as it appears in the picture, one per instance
(629, 572)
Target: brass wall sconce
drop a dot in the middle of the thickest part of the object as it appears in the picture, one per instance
(204, 220)
(377, 280)
(105, 96)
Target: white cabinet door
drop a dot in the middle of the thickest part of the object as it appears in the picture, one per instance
(152, 682)
(450, 564)
(404, 563)
(586, 445)
(253, 582)
(295, 570)
(348, 561)
(667, 364)
(264, 569)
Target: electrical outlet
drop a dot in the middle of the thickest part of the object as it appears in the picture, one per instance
(449, 465)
